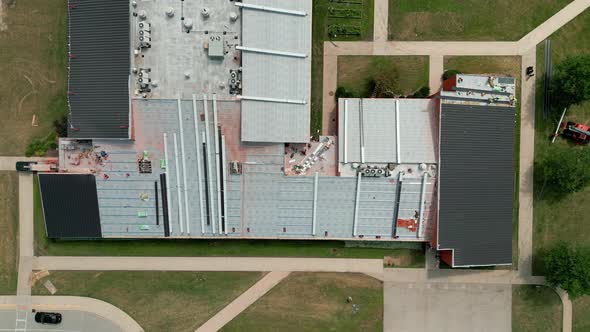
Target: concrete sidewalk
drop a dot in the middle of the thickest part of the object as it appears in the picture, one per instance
(380, 20)
(245, 300)
(527, 157)
(70, 263)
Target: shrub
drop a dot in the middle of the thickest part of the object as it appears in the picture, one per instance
(342, 92)
(423, 92)
(568, 267)
(39, 146)
(448, 73)
(343, 29)
(344, 12)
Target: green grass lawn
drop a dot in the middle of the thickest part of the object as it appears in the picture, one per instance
(468, 19)
(581, 308)
(535, 308)
(158, 301)
(501, 65)
(561, 218)
(356, 72)
(316, 302)
(252, 248)
(33, 70)
(321, 22)
(8, 232)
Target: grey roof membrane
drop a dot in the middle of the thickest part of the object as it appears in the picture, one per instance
(70, 205)
(99, 68)
(276, 76)
(476, 183)
(372, 123)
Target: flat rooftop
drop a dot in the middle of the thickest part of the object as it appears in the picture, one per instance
(387, 130)
(259, 201)
(481, 90)
(276, 70)
(178, 57)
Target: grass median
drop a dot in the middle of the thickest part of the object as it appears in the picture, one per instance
(316, 302)
(535, 308)
(8, 232)
(158, 301)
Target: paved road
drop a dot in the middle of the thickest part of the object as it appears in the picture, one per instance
(208, 264)
(444, 307)
(243, 301)
(73, 321)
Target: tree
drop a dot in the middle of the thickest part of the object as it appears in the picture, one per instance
(565, 170)
(61, 126)
(568, 267)
(386, 84)
(571, 83)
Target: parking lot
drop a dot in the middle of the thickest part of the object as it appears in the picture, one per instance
(72, 321)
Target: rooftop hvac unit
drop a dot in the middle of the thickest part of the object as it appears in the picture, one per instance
(216, 46)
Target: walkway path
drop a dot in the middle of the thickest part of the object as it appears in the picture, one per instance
(243, 301)
(208, 264)
(527, 155)
(98, 307)
(567, 310)
(380, 16)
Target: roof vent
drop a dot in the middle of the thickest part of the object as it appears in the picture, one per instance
(233, 16)
(205, 12)
(142, 14)
(170, 12)
(187, 23)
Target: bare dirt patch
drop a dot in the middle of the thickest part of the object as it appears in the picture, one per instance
(33, 66)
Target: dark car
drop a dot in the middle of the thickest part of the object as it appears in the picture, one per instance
(48, 317)
(24, 166)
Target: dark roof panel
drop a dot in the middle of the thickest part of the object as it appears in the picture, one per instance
(99, 68)
(476, 183)
(70, 205)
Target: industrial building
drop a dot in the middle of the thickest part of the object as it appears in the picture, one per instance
(192, 120)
